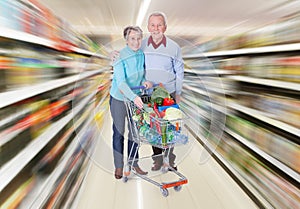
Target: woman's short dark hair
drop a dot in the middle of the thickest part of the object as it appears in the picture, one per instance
(128, 29)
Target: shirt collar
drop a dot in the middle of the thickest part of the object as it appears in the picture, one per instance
(131, 51)
(155, 46)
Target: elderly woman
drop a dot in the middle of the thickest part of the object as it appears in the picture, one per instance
(128, 72)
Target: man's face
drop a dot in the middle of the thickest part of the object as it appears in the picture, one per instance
(156, 27)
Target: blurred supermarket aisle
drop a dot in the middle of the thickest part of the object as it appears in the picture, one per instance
(241, 90)
(209, 186)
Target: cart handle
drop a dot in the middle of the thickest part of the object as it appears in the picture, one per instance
(142, 87)
(137, 87)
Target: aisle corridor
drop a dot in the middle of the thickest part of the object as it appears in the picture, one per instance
(208, 187)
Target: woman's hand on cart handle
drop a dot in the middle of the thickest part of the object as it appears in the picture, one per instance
(148, 84)
(138, 102)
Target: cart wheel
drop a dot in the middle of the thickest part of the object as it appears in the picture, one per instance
(164, 192)
(125, 179)
(177, 188)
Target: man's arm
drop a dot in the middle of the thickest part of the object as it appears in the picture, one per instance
(179, 70)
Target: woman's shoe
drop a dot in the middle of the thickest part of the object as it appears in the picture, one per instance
(140, 171)
(118, 173)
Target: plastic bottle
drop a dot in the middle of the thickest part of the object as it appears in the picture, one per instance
(164, 135)
(156, 139)
(180, 138)
(170, 136)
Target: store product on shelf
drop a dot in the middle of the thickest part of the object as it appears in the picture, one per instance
(282, 31)
(19, 195)
(273, 144)
(36, 116)
(283, 108)
(271, 186)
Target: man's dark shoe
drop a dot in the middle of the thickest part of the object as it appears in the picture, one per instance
(140, 171)
(174, 167)
(118, 173)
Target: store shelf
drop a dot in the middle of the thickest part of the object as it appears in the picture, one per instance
(268, 82)
(85, 52)
(290, 172)
(29, 38)
(44, 188)
(26, 37)
(215, 72)
(212, 105)
(277, 170)
(65, 53)
(220, 91)
(11, 97)
(240, 180)
(197, 90)
(197, 109)
(15, 165)
(7, 137)
(250, 184)
(210, 90)
(261, 116)
(245, 51)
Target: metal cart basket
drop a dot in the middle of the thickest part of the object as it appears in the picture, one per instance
(148, 127)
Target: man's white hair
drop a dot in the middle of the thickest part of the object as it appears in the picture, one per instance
(161, 14)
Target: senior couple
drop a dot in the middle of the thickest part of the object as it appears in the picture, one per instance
(152, 60)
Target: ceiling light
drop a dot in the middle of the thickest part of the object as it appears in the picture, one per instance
(142, 11)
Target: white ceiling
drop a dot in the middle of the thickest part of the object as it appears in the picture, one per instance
(200, 18)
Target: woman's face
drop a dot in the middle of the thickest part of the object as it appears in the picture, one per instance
(156, 27)
(134, 40)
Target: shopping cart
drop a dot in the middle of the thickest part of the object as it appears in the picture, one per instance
(148, 127)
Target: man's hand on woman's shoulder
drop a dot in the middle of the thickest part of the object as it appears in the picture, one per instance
(114, 55)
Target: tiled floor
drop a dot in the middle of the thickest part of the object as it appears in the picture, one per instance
(209, 187)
